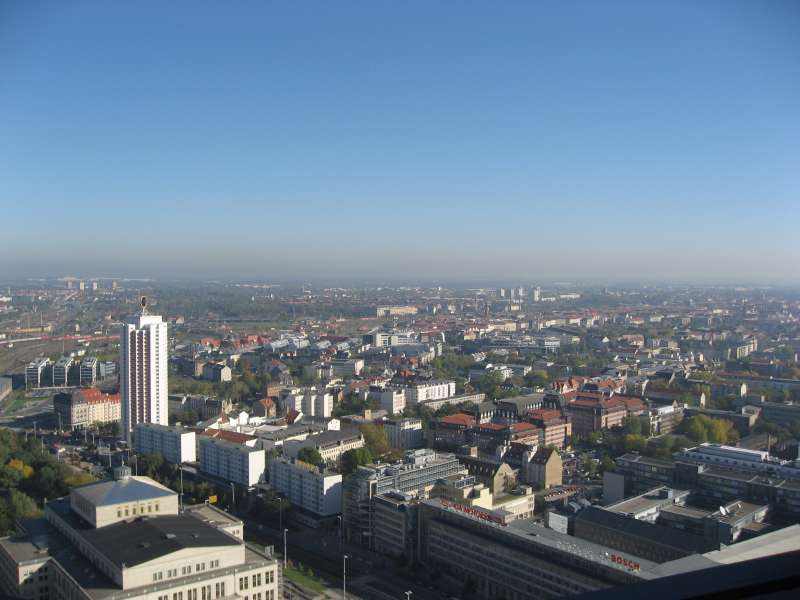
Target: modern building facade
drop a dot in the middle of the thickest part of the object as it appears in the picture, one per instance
(143, 382)
(88, 371)
(416, 473)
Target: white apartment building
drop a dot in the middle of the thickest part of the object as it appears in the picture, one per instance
(430, 390)
(94, 546)
(175, 444)
(312, 490)
(143, 380)
(230, 461)
(311, 402)
(405, 434)
(393, 400)
(350, 367)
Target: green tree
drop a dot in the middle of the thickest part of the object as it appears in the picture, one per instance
(375, 439)
(353, 458)
(310, 456)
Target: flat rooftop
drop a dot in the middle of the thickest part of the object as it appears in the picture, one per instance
(647, 501)
(145, 538)
(211, 514)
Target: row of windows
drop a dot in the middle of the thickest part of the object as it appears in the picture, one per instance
(140, 509)
(185, 570)
(256, 579)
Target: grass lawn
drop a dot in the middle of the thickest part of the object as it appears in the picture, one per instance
(292, 574)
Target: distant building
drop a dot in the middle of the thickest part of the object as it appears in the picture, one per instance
(88, 371)
(216, 372)
(176, 444)
(61, 371)
(85, 407)
(395, 311)
(405, 434)
(34, 372)
(6, 386)
(350, 367)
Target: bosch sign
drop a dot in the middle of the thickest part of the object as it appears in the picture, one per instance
(625, 562)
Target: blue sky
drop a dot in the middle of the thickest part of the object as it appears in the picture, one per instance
(566, 140)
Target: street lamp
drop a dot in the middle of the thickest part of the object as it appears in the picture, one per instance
(233, 499)
(280, 512)
(408, 594)
(344, 576)
(285, 531)
(341, 531)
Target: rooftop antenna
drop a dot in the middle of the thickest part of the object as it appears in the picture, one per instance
(144, 305)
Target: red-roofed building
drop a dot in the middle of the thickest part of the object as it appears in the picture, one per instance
(556, 429)
(230, 436)
(265, 407)
(451, 431)
(595, 412)
(635, 406)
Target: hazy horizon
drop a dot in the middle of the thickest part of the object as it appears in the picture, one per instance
(616, 141)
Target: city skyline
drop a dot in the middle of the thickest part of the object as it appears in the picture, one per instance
(543, 141)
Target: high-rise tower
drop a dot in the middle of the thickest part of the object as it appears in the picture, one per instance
(143, 378)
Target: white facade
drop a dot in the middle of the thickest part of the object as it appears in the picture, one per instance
(317, 404)
(232, 462)
(176, 444)
(423, 392)
(393, 401)
(318, 493)
(143, 381)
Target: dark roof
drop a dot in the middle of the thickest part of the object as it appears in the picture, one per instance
(657, 534)
(147, 538)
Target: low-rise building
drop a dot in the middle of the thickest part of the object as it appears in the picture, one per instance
(217, 373)
(543, 469)
(330, 444)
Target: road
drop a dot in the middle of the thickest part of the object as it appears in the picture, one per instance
(321, 552)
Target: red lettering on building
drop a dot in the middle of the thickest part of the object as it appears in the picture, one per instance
(471, 511)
